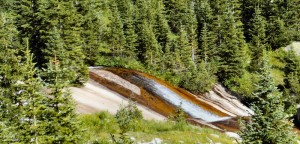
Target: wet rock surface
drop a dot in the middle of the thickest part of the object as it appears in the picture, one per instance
(217, 109)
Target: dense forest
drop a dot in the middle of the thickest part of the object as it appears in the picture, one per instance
(190, 43)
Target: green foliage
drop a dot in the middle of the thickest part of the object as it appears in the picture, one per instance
(61, 122)
(23, 105)
(169, 38)
(201, 79)
(180, 119)
(97, 126)
(292, 72)
(10, 74)
(53, 28)
(126, 117)
(246, 85)
(258, 38)
(120, 62)
(95, 28)
(270, 123)
(189, 43)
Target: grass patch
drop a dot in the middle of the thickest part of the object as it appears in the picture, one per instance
(98, 127)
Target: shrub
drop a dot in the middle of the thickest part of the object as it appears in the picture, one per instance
(180, 120)
(126, 118)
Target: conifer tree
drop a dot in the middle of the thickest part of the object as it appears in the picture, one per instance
(22, 102)
(148, 46)
(231, 46)
(184, 51)
(178, 13)
(95, 29)
(61, 123)
(41, 20)
(161, 27)
(207, 38)
(116, 34)
(182, 13)
(192, 30)
(270, 123)
(129, 30)
(247, 14)
(291, 17)
(218, 9)
(70, 33)
(292, 76)
(281, 20)
(258, 38)
(6, 5)
(30, 104)
(10, 75)
(208, 49)
(164, 37)
(200, 79)
(276, 29)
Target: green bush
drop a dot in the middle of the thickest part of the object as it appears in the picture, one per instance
(199, 80)
(127, 117)
(245, 85)
(179, 118)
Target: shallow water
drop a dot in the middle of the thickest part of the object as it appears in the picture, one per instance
(174, 99)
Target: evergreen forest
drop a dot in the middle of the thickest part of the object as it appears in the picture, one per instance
(47, 46)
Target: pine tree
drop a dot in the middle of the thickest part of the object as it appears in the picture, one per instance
(178, 13)
(149, 48)
(248, 13)
(129, 30)
(258, 38)
(95, 29)
(116, 34)
(207, 37)
(61, 123)
(29, 25)
(191, 28)
(291, 17)
(10, 76)
(161, 27)
(231, 45)
(208, 49)
(40, 21)
(164, 37)
(270, 123)
(184, 52)
(277, 33)
(70, 33)
(6, 5)
(22, 102)
(282, 20)
(292, 76)
(200, 79)
(30, 104)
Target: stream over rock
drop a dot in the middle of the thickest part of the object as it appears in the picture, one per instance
(216, 109)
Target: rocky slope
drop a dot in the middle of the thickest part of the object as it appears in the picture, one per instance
(110, 87)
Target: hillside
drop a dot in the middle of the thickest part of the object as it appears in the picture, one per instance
(188, 57)
(215, 107)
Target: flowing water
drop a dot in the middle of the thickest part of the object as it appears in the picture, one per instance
(174, 99)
